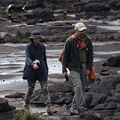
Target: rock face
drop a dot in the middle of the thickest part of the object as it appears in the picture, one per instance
(102, 95)
(114, 61)
(40, 14)
(7, 2)
(84, 9)
(113, 4)
(4, 106)
(33, 4)
(96, 7)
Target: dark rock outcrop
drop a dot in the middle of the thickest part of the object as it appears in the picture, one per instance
(113, 4)
(15, 8)
(102, 95)
(7, 2)
(33, 4)
(114, 61)
(4, 106)
(44, 14)
(16, 95)
(96, 7)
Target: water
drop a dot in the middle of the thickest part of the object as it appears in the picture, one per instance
(12, 63)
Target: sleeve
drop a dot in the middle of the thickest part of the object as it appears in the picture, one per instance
(45, 58)
(90, 56)
(28, 59)
(65, 56)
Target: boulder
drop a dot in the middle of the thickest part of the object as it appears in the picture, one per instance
(46, 14)
(15, 8)
(7, 2)
(16, 95)
(113, 4)
(33, 4)
(110, 82)
(96, 7)
(114, 61)
(4, 106)
(118, 5)
(1, 40)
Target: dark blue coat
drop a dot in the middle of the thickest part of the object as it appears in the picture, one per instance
(33, 53)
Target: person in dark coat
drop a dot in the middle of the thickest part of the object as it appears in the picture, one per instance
(36, 69)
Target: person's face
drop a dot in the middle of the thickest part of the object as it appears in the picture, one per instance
(80, 33)
(36, 41)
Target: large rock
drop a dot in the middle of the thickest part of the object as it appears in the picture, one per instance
(33, 4)
(4, 106)
(113, 4)
(7, 2)
(46, 14)
(96, 7)
(54, 1)
(15, 8)
(118, 5)
(114, 61)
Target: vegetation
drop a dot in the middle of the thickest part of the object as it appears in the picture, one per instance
(18, 38)
(27, 115)
(64, 17)
(24, 38)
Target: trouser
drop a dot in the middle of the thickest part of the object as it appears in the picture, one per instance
(44, 87)
(79, 80)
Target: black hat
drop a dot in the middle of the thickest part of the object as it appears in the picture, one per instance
(36, 34)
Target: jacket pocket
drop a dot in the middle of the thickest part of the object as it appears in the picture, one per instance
(27, 72)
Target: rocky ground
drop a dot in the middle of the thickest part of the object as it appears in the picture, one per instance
(19, 102)
(96, 28)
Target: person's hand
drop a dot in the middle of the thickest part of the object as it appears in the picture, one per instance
(35, 66)
(64, 74)
(87, 72)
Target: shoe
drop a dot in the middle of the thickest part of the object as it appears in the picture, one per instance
(81, 112)
(26, 108)
(51, 111)
(74, 110)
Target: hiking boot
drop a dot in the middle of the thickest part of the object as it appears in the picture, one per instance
(74, 110)
(81, 112)
(51, 111)
(26, 108)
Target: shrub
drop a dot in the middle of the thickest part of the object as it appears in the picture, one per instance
(27, 115)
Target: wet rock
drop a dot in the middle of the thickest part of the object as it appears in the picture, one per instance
(4, 106)
(46, 14)
(97, 7)
(114, 61)
(80, 5)
(97, 89)
(33, 4)
(100, 106)
(61, 87)
(16, 95)
(113, 4)
(1, 40)
(110, 82)
(104, 73)
(15, 8)
(97, 99)
(118, 5)
(7, 2)
(111, 106)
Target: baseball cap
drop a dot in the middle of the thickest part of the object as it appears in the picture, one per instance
(80, 26)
